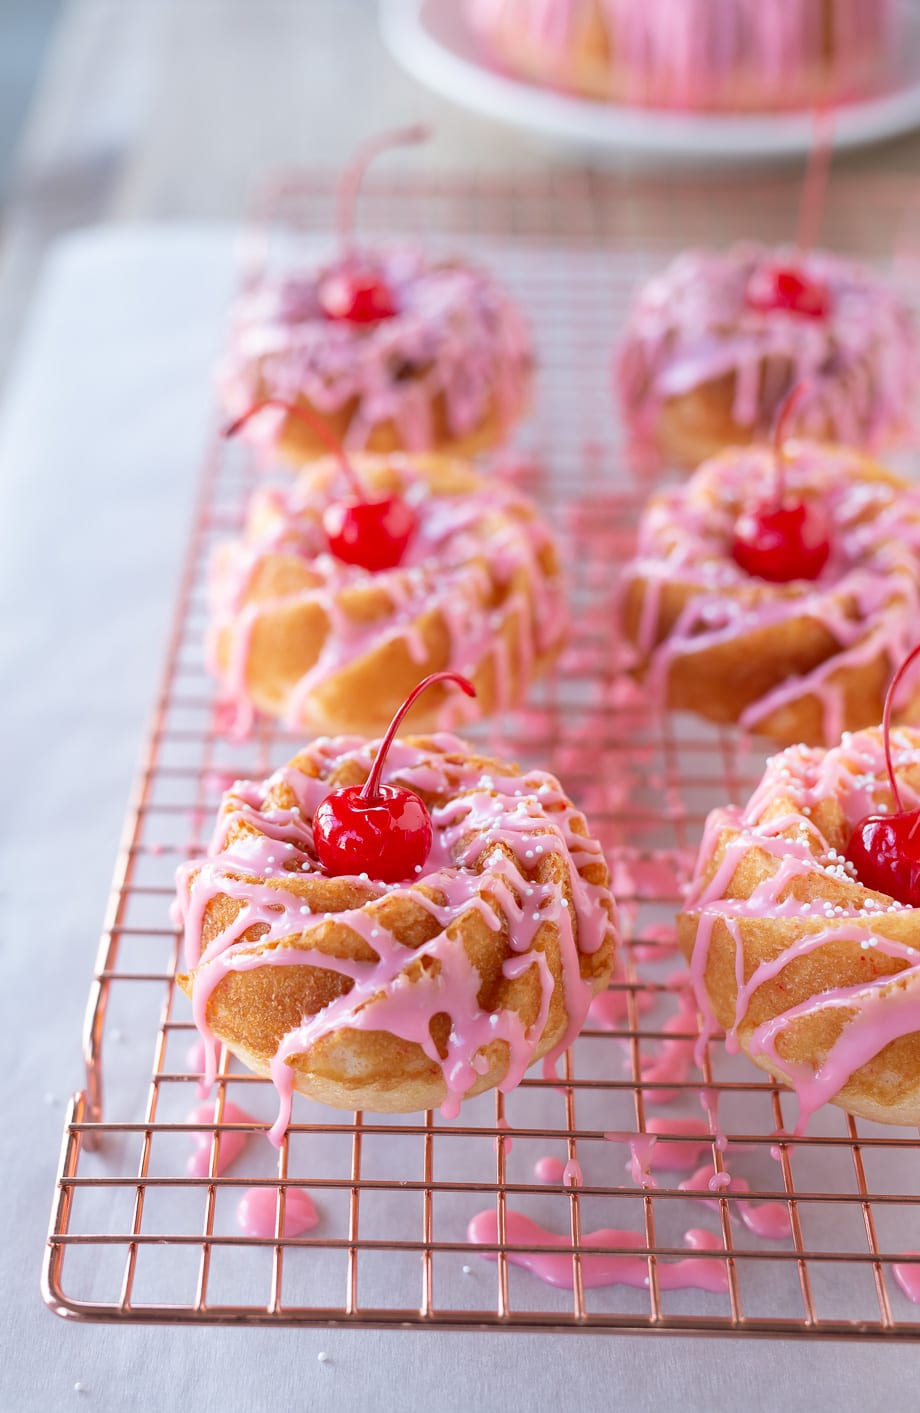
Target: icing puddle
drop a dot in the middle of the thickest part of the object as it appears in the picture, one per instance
(231, 1144)
(557, 1268)
(907, 1275)
(257, 1211)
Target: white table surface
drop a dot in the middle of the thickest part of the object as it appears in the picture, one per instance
(101, 435)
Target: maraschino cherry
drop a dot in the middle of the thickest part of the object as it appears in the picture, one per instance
(371, 533)
(885, 848)
(355, 291)
(384, 831)
(775, 286)
(781, 540)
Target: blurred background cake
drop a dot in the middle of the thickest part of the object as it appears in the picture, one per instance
(726, 55)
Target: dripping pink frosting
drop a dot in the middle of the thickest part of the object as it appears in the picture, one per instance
(690, 54)
(868, 595)
(481, 812)
(835, 909)
(481, 559)
(457, 337)
(691, 325)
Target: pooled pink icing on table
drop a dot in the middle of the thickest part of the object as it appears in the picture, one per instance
(596, 1269)
(694, 54)
(770, 1220)
(883, 1008)
(907, 1275)
(868, 596)
(483, 814)
(256, 1212)
(231, 1144)
(692, 325)
(442, 572)
(549, 1170)
(457, 336)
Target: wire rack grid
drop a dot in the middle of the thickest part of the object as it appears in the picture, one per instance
(144, 1222)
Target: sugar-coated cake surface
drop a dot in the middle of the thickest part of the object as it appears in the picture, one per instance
(814, 975)
(456, 356)
(692, 328)
(803, 660)
(302, 635)
(397, 997)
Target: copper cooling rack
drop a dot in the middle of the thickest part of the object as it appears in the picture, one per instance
(135, 1237)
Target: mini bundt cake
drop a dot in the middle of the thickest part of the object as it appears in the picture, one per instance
(809, 965)
(333, 646)
(803, 659)
(410, 994)
(715, 342)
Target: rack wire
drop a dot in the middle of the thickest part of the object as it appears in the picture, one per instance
(135, 1236)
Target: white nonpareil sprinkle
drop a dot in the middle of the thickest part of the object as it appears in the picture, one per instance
(467, 1270)
(322, 1357)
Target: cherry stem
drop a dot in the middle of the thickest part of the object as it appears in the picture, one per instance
(371, 789)
(886, 721)
(316, 425)
(354, 174)
(787, 410)
(814, 189)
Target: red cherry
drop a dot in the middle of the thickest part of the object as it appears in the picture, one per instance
(373, 534)
(782, 543)
(778, 540)
(357, 296)
(774, 287)
(885, 848)
(354, 292)
(384, 831)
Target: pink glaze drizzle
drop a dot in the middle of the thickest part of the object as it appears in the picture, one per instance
(696, 54)
(476, 561)
(881, 1009)
(457, 337)
(598, 1270)
(692, 325)
(868, 596)
(770, 1220)
(256, 1213)
(258, 852)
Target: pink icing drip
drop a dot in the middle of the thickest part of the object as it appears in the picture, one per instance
(231, 1144)
(685, 536)
(256, 1213)
(441, 572)
(883, 1008)
(770, 1220)
(457, 335)
(692, 325)
(572, 1175)
(527, 814)
(599, 1270)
